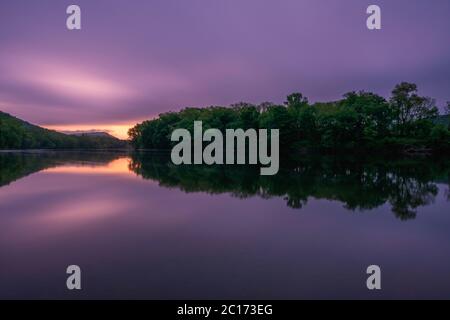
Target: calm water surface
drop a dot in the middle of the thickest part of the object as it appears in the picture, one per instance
(140, 227)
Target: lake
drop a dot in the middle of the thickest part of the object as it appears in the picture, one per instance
(141, 228)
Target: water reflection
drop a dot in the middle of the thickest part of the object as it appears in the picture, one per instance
(360, 184)
(138, 230)
(16, 165)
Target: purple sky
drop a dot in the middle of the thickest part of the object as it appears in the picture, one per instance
(135, 59)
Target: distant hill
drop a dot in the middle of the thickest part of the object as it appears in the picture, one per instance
(19, 134)
(89, 133)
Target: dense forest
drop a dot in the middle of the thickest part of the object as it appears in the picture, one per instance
(362, 120)
(18, 134)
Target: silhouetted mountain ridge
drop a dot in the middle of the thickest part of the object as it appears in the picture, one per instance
(19, 134)
(90, 133)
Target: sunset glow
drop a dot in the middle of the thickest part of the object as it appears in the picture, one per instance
(216, 158)
(118, 130)
(109, 74)
(119, 166)
(81, 86)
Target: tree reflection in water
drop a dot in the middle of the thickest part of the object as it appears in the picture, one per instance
(360, 184)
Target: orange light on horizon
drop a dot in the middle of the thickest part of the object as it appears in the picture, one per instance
(118, 166)
(118, 130)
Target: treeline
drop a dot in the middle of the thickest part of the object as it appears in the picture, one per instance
(361, 120)
(18, 134)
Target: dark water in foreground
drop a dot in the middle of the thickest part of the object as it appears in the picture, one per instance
(140, 227)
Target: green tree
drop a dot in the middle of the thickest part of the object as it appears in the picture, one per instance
(296, 100)
(373, 115)
(408, 106)
(278, 117)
